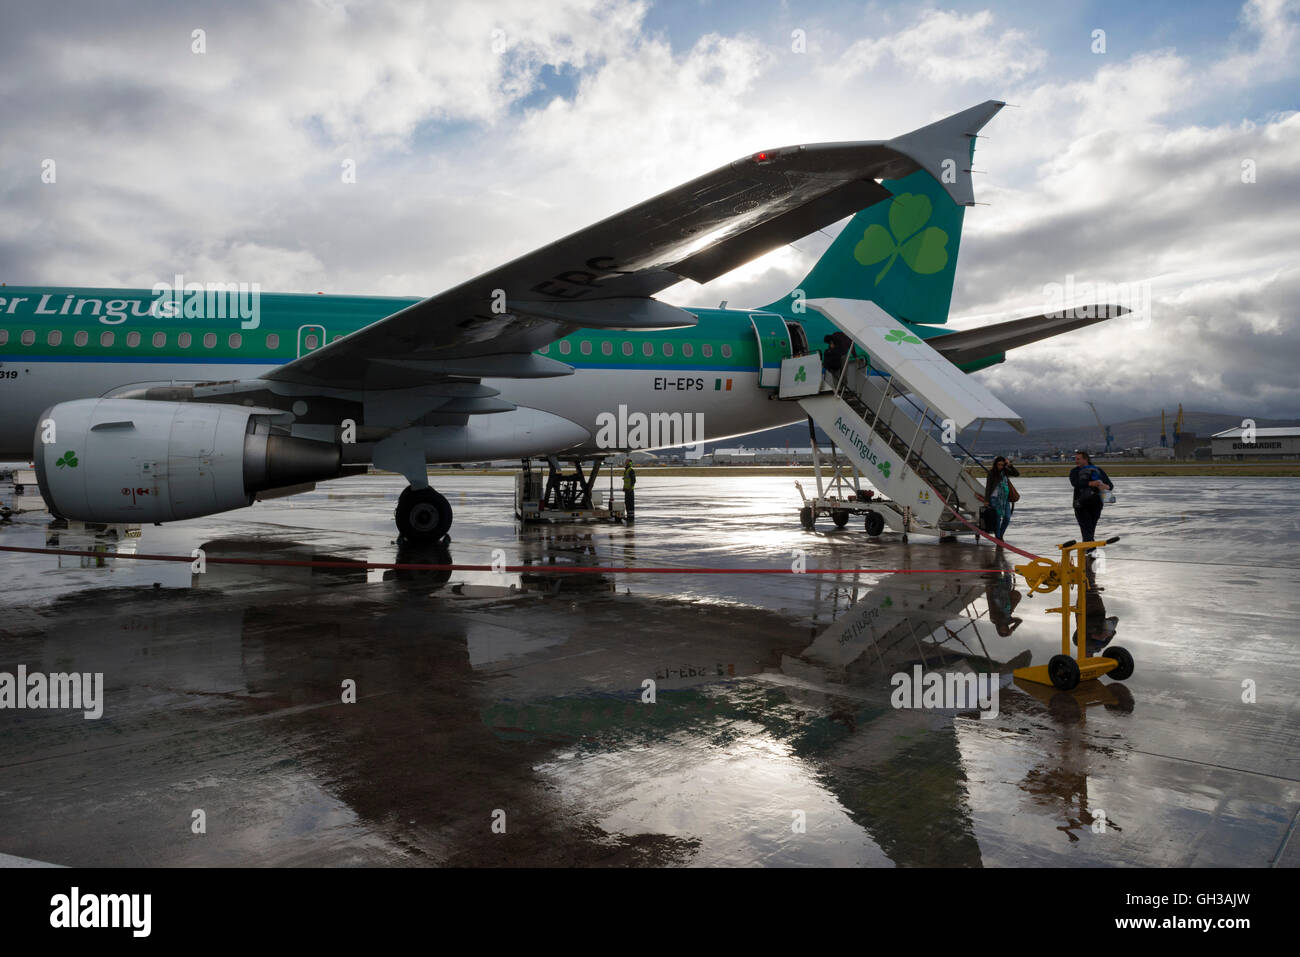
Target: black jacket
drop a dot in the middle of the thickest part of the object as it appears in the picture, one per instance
(1080, 476)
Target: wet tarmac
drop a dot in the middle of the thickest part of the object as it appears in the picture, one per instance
(499, 719)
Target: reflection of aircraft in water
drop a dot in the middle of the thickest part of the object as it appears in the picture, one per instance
(458, 711)
(280, 557)
(897, 773)
(106, 540)
(903, 619)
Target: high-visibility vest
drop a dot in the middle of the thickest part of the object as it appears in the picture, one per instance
(629, 479)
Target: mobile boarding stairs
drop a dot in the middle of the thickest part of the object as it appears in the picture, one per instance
(917, 484)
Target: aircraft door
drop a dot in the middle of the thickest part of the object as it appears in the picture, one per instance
(773, 346)
(310, 338)
(798, 337)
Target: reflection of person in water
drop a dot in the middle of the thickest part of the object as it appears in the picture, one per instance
(1100, 629)
(1002, 600)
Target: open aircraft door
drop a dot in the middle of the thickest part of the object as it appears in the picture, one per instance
(773, 346)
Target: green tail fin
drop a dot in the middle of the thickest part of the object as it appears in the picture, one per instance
(900, 253)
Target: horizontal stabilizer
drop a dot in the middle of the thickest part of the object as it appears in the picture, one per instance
(984, 342)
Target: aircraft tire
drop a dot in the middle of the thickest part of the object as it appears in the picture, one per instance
(422, 515)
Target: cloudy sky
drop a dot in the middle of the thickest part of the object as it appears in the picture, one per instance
(1164, 149)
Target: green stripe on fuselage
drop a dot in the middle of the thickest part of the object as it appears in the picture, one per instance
(285, 317)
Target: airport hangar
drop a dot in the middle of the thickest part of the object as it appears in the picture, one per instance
(1275, 443)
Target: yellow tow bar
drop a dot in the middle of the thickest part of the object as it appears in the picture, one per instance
(1065, 671)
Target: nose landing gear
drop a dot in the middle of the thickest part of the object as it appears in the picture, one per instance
(423, 515)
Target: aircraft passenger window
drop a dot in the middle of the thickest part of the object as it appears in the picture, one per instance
(585, 347)
(4, 336)
(707, 351)
(106, 338)
(606, 348)
(29, 337)
(565, 347)
(627, 348)
(183, 340)
(81, 337)
(688, 350)
(311, 341)
(54, 338)
(544, 349)
(210, 340)
(159, 340)
(648, 349)
(726, 352)
(668, 348)
(235, 340)
(273, 341)
(133, 339)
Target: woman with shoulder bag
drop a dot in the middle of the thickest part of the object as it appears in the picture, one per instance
(1000, 493)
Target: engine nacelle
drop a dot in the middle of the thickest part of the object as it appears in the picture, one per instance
(132, 460)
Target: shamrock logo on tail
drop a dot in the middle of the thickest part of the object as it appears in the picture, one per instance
(924, 250)
(69, 459)
(898, 335)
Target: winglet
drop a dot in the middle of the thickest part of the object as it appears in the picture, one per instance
(948, 142)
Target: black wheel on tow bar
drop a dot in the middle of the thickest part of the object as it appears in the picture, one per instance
(874, 523)
(1064, 672)
(806, 517)
(422, 515)
(840, 517)
(1123, 669)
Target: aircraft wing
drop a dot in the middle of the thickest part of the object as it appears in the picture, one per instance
(972, 345)
(603, 276)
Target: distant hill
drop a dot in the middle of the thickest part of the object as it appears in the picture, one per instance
(1002, 440)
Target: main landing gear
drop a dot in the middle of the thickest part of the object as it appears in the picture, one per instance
(423, 515)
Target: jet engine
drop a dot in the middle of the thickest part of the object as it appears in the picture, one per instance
(132, 460)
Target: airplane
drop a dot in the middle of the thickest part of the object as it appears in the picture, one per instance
(198, 404)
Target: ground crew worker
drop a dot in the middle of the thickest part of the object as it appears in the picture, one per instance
(629, 494)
